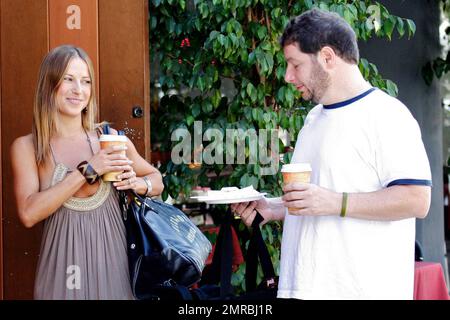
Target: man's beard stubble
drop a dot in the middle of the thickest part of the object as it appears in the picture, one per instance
(320, 81)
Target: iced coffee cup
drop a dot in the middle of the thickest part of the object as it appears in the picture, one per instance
(296, 172)
(107, 140)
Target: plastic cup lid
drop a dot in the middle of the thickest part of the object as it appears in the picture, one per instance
(112, 137)
(296, 167)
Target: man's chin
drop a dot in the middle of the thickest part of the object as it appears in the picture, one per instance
(306, 96)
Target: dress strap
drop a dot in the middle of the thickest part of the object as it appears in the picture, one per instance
(89, 140)
(53, 155)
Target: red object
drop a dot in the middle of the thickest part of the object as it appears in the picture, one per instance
(238, 257)
(429, 282)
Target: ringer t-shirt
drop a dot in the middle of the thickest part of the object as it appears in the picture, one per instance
(363, 144)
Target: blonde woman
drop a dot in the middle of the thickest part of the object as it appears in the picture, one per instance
(57, 179)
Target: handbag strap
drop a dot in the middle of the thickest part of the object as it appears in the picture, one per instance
(257, 249)
(221, 266)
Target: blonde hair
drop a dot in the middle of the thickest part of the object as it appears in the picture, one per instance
(45, 111)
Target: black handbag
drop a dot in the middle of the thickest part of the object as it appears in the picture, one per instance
(164, 246)
(216, 283)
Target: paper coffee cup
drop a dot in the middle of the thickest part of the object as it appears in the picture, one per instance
(107, 140)
(296, 172)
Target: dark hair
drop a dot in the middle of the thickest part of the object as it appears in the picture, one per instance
(315, 29)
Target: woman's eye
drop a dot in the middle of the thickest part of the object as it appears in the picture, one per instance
(87, 81)
(67, 78)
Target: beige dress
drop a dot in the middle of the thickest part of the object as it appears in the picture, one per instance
(83, 251)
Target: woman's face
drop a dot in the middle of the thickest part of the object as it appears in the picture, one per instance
(74, 91)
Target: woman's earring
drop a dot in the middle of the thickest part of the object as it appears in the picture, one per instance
(85, 110)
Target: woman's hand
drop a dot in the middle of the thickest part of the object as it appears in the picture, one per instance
(129, 181)
(107, 160)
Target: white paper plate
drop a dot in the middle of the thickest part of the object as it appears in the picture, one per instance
(228, 200)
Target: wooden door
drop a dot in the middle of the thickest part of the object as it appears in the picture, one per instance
(115, 35)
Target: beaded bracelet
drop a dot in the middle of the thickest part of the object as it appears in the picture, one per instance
(88, 172)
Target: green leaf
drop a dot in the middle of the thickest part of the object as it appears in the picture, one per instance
(281, 94)
(196, 109)
(215, 99)
(251, 92)
(289, 97)
(411, 27)
(276, 13)
(201, 84)
(182, 4)
(388, 27)
(400, 27)
(255, 114)
(248, 113)
(262, 32)
(189, 120)
(207, 106)
(269, 60)
(391, 88)
(203, 9)
(153, 23)
(309, 4)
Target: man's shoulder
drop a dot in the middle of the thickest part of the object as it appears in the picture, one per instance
(312, 114)
(382, 103)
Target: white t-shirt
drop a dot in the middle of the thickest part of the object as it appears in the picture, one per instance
(363, 144)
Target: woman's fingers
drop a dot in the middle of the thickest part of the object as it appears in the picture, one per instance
(112, 149)
(126, 184)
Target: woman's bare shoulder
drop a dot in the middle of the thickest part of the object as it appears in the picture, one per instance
(23, 143)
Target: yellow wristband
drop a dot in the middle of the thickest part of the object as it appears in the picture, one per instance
(344, 204)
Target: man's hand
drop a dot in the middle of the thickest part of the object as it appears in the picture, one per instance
(311, 200)
(247, 211)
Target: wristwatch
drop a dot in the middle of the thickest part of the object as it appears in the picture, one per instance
(149, 185)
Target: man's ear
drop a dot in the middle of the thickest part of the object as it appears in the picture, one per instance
(328, 57)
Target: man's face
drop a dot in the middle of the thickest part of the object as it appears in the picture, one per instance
(305, 73)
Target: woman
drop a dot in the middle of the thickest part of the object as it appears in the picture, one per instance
(83, 252)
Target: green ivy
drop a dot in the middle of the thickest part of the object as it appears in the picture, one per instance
(199, 44)
(439, 66)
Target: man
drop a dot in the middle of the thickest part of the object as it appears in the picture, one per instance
(353, 237)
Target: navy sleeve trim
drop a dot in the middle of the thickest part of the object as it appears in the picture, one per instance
(410, 182)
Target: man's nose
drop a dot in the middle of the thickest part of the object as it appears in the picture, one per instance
(288, 76)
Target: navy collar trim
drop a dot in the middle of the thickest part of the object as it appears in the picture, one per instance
(349, 101)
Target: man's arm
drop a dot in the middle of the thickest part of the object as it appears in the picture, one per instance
(392, 203)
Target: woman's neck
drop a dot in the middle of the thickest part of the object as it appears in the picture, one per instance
(69, 127)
